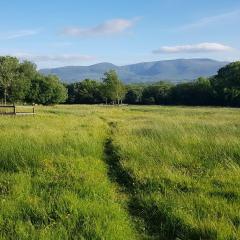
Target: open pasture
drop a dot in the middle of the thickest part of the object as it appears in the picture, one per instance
(130, 172)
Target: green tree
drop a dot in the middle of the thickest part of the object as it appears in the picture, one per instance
(113, 88)
(9, 74)
(202, 92)
(87, 91)
(72, 93)
(158, 93)
(47, 90)
(183, 93)
(21, 85)
(133, 95)
(227, 84)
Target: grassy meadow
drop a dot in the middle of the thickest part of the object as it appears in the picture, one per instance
(130, 172)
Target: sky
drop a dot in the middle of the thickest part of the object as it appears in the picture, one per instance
(62, 33)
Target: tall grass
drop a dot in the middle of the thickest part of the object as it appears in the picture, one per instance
(132, 172)
(53, 181)
(184, 164)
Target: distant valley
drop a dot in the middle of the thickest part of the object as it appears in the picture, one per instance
(170, 70)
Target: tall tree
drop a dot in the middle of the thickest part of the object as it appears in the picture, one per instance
(46, 90)
(21, 85)
(9, 74)
(133, 95)
(87, 91)
(227, 84)
(158, 93)
(113, 88)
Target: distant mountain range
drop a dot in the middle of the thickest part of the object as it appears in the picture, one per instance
(170, 70)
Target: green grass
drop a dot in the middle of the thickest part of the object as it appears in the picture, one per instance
(184, 166)
(131, 172)
(54, 183)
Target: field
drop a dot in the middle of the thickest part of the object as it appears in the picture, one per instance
(130, 172)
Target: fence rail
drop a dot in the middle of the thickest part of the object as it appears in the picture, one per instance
(16, 110)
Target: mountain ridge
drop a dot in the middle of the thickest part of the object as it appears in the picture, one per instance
(176, 70)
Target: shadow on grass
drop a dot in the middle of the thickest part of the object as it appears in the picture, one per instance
(115, 170)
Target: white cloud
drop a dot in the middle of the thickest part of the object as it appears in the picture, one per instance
(18, 34)
(221, 18)
(110, 27)
(195, 48)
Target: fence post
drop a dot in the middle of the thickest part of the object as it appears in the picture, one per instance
(14, 109)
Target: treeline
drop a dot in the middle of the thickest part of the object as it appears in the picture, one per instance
(21, 82)
(220, 90)
(110, 90)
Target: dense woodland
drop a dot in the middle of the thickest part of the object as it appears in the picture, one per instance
(21, 82)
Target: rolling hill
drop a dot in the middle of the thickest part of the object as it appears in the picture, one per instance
(170, 70)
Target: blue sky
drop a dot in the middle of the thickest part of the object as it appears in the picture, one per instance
(58, 33)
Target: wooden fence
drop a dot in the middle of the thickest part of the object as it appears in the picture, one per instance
(17, 110)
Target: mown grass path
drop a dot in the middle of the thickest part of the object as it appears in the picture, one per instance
(116, 172)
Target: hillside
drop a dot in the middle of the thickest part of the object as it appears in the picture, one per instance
(172, 70)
